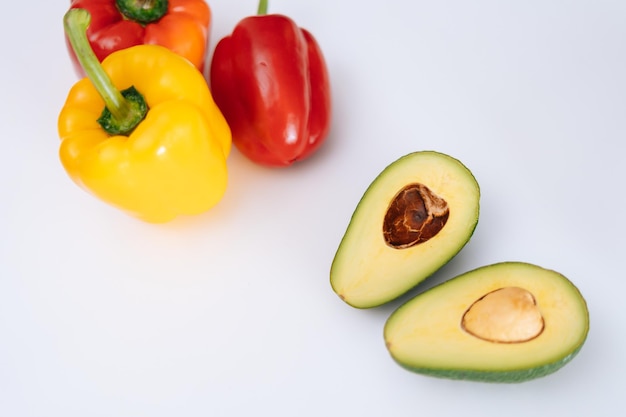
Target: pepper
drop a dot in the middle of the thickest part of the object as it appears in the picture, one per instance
(180, 25)
(270, 80)
(142, 131)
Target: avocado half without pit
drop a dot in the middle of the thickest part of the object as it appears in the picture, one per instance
(415, 216)
(507, 322)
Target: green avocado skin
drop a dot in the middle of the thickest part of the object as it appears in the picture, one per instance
(503, 377)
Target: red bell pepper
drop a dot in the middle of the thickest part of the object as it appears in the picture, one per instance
(180, 25)
(270, 80)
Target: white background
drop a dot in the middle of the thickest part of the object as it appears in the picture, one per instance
(231, 313)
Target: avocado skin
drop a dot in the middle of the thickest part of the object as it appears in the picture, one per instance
(504, 377)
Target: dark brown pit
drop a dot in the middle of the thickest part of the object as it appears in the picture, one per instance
(415, 215)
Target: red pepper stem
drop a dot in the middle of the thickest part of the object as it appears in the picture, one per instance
(262, 10)
(126, 114)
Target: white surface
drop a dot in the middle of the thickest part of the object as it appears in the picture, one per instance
(231, 313)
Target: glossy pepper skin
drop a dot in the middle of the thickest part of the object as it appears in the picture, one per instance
(271, 82)
(173, 162)
(184, 28)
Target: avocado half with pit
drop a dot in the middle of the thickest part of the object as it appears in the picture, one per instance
(507, 322)
(415, 216)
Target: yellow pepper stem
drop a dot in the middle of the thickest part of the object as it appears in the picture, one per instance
(124, 110)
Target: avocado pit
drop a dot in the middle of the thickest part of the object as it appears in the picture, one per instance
(506, 315)
(415, 215)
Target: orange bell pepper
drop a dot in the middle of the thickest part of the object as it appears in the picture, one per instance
(180, 25)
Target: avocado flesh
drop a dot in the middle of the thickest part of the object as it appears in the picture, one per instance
(426, 335)
(366, 271)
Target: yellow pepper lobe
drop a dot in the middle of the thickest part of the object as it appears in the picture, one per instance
(506, 315)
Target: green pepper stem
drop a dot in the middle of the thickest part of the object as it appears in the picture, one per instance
(262, 10)
(143, 11)
(125, 113)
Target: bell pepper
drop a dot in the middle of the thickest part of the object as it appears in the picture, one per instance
(182, 26)
(142, 131)
(271, 82)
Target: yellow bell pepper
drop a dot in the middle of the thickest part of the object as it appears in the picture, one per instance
(157, 158)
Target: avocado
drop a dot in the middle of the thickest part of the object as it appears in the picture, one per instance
(415, 216)
(506, 322)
